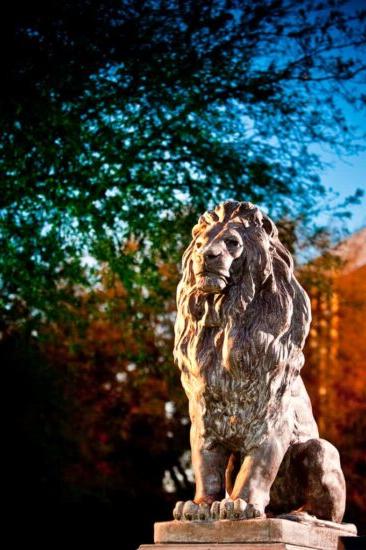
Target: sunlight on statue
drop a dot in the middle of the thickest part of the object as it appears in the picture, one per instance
(242, 322)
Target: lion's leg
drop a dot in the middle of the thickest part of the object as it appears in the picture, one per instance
(209, 465)
(257, 474)
(317, 462)
(232, 470)
(209, 468)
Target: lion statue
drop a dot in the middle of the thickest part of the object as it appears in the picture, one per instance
(241, 325)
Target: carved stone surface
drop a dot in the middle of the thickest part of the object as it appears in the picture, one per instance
(240, 546)
(242, 322)
(255, 531)
(247, 546)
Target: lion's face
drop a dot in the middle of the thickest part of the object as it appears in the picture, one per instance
(216, 253)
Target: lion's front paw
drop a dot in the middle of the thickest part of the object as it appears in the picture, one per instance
(235, 509)
(190, 511)
(228, 509)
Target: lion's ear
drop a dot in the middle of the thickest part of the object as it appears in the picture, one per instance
(269, 226)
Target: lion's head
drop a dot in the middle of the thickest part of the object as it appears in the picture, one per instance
(237, 274)
(228, 237)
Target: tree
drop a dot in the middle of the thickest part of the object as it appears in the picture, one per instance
(100, 418)
(118, 377)
(122, 120)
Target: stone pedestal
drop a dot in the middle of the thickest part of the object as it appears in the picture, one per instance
(256, 534)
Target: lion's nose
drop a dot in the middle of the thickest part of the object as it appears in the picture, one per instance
(211, 253)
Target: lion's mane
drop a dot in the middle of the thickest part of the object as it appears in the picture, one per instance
(240, 350)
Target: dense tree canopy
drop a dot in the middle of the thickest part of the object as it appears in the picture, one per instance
(123, 119)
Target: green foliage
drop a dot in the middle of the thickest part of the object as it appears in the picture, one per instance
(125, 120)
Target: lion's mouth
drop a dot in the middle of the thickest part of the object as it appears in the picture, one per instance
(207, 281)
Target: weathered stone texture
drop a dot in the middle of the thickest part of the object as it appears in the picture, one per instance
(263, 531)
(241, 325)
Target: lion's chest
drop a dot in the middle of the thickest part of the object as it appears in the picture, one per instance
(232, 413)
(237, 407)
(229, 410)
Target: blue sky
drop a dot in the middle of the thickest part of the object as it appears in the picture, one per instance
(348, 174)
(344, 177)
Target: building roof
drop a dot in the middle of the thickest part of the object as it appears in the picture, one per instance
(353, 251)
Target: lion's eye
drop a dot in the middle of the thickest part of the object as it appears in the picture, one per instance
(198, 245)
(232, 242)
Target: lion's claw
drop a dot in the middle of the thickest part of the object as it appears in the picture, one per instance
(190, 510)
(252, 512)
(203, 511)
(226, 508)
(178, 510)
(240, 507)
(215, 510)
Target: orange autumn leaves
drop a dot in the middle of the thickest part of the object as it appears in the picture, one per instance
(115, 354)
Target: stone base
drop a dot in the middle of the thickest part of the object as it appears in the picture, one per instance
(218, 546)
(252, 534)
